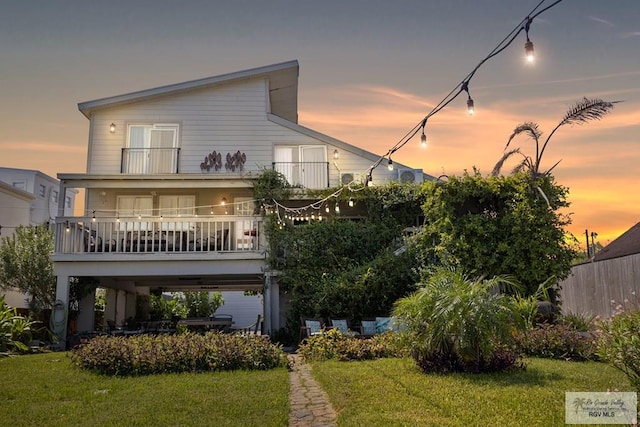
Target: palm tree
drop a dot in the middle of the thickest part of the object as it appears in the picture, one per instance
(454, 314)
(582, 112)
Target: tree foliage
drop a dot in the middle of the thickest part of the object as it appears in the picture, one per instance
(347, 268)
(25, 264)
(498, 225)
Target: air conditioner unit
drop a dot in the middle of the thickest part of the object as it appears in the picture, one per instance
(410, 175)
(347, 178)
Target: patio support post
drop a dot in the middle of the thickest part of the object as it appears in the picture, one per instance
(60, 313)
(267, 304)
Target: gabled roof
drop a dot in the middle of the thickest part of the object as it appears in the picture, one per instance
(627, 244)
(283, 89)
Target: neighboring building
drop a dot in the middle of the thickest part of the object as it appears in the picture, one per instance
(608, 282)
(28, 198)
(169, 187)
(46, 194)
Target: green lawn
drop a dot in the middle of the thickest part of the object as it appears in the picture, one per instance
(392, 392)
(46, 390)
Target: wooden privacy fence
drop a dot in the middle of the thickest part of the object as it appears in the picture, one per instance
(597, 288)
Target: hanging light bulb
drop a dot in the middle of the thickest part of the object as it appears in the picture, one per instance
(528, 46)
(337, 209)
(117, 217)
(67, 227)
(423, 139)
(350, 202)
(528, 51)
(93, 216)
(470, 106)
(390, 164)
(326, 209)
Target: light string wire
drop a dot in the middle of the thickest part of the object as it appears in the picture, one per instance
(523, 25)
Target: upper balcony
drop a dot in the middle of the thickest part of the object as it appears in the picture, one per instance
(159, 235)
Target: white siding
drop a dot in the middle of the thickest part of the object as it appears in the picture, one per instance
(226, 119)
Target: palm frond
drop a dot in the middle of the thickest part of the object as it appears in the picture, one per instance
(504, 158)
(530, 128)
(552, 167)
(544, 196)
(525, 164)
(585, 110)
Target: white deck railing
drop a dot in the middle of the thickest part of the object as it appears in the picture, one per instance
(155, 234)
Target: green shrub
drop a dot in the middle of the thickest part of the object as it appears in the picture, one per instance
(579, 322)
(332, 344)
(15, 330)
(558, 342)
(456, 318)
(620, 344)
(188, 352)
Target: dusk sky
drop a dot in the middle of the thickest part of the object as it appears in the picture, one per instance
(369, 72)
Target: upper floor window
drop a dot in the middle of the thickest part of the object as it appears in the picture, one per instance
(151, 149)
(67, 201)
(304, 165)
(54, 196)
(42, 190)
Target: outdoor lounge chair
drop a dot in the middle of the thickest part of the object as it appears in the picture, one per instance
(368, 328)
(310, 327)
(343, 326)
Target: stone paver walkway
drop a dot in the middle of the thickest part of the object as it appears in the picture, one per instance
(310, 406)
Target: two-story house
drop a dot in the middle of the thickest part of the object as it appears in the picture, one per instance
(29, 198)
(169, 200)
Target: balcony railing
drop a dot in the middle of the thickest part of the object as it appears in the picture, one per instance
(158, 235)
(306, 174)
(149, 160)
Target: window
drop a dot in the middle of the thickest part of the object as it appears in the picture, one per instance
(54, 196)
(133, 206)
(42, 190)
(67, 201)
(20, 185)
(305, 165)
(151, 149)
(177, 205)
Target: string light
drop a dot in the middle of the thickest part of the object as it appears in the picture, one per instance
(390, 164)
(423, 137)
(523, 25)
(93, 216)
(470, 107)
(528, 46)
(351, 202)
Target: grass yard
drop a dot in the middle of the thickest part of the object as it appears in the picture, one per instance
(393, 392)
(46, 390)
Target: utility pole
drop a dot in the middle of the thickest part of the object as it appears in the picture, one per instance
(586, 233)
(593, 242)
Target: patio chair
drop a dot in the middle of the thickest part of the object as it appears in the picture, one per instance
(343, 326)
(310, 327)
(368, 327)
